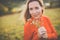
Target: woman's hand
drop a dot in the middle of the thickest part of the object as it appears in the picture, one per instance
(42, 32)
(45, 35)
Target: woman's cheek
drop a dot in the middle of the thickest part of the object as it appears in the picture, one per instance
(31, 12)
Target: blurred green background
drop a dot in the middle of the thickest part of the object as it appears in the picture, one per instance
(12, 18)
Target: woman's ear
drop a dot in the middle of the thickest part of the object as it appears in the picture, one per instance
(43, 10)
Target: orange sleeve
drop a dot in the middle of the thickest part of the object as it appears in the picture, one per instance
(30, 32)
(54, 33)
(35, 35)
(27, 32)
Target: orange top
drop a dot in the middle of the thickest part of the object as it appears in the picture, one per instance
(31, 31)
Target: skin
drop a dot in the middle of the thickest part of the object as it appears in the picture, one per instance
(35, 10)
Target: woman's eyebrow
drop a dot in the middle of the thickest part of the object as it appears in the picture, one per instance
(30, 8)
(36, 7)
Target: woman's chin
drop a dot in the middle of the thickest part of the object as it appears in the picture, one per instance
(36, 17)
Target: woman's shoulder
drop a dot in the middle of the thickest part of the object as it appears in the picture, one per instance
(45, 17)
(28, 21)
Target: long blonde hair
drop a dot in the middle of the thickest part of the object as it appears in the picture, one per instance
(27, 14)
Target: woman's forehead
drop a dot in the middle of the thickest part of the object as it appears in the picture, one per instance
(34, 3)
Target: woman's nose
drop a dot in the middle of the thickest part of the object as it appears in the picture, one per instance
(34, 11)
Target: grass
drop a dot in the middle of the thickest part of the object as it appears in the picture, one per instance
(54, 15)
(11, 26)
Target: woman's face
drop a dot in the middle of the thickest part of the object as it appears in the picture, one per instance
(35, 9)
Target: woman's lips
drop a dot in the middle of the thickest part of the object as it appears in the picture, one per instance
(36, 16)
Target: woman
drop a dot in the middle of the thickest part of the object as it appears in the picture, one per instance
(37, 26)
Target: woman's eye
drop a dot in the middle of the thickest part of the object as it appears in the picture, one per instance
(36, 7)
(31, 9)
